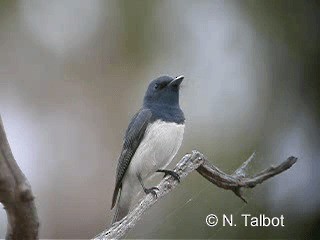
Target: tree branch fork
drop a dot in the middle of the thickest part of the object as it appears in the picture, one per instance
(196, 161)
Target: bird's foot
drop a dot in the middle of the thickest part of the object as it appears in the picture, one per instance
(151, 190)
(171, 173)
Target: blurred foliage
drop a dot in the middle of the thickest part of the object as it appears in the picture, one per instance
(295, 25)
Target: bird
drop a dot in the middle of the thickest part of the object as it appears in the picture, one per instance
(152, 139)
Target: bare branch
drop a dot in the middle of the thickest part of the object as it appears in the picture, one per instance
(189, 163)
(239, 178)
(16, 195)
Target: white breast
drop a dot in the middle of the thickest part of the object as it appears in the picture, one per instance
(160, 144)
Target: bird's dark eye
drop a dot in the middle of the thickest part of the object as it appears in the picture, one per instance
(159, 86)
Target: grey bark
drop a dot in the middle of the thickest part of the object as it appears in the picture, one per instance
(16, 195)
(190, 162)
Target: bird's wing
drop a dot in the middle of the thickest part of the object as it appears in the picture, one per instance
(132, 139)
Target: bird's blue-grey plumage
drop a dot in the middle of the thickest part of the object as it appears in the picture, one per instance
(152, 139)
(132, 140)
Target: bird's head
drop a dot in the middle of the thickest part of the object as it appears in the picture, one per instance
(163, 90)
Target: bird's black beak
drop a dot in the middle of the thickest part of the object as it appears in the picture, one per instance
(177, 81)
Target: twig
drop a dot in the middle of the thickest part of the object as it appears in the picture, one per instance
(190, 162)
(16, 195)
(240, 179)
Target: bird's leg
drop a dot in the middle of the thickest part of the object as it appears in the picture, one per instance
(148, 190)
(171, 173)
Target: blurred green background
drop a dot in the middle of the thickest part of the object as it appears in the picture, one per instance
(73, 72)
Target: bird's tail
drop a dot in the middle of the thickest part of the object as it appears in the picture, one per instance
(123, 203)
